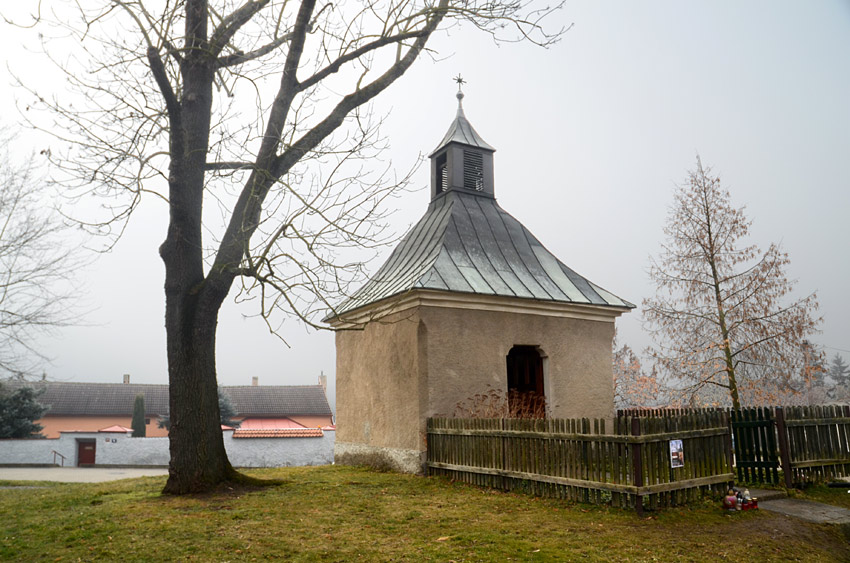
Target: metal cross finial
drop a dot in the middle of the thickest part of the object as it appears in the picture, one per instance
(460, 82)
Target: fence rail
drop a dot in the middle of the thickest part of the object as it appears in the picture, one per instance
(756, 452)
(579, 460)
(810, 444)
(632, 465)
(814, 443)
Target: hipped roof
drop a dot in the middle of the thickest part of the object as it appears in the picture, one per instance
(116, 399)
(461, 131)
(466, 243)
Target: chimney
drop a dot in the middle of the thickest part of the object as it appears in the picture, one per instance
(255, 381)
(126, 378)
(323, 381)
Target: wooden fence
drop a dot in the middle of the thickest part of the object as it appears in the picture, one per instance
(809, 444)
(579, 460)
(756, 452)
(814, 443)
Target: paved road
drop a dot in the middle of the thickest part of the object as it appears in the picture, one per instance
(775, 501)
(808, 510)
(76, 474)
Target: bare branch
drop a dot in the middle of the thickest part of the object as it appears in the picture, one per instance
(270, 180)
(232, 23)
(240, 57)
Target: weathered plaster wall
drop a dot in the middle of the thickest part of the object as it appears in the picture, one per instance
(467, 350)
(380, 392)
(120, 449)
(384, 396)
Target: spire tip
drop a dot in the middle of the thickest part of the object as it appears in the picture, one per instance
(460, 82)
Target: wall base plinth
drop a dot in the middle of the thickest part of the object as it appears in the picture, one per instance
(393, 459)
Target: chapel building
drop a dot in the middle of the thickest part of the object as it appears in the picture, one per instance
(469, 303)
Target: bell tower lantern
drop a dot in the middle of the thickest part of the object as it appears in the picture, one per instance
(462, 161)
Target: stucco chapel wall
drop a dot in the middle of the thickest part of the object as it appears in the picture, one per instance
(380, 394)
(466, 351)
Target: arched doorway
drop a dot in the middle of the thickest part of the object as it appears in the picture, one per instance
(526, 395)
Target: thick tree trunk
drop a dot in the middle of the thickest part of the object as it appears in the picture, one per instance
(198, 459)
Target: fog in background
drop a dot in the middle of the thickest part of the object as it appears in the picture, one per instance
(591, 137)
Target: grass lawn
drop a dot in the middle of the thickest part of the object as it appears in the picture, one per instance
(335, 513)
(839, 496)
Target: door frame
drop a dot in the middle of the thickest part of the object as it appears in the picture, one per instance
(81, 445)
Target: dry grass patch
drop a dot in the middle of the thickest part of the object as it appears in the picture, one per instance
(338, 513)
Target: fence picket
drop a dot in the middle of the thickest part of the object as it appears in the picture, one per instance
(579, 459)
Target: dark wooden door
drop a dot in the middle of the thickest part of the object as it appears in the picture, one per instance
(85, 453)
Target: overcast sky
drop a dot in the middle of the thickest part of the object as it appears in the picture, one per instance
(591, 137)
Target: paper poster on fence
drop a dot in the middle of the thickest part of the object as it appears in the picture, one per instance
(677, 454)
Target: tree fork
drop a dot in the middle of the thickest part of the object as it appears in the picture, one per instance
(187, 46)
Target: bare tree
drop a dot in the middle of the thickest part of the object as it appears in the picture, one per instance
(36, 264)
(722, 317)
(259, 110)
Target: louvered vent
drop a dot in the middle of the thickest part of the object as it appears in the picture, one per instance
(473, 170)
(442, 174)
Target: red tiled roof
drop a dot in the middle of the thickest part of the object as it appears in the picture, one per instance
(116, 428)
(279, 433)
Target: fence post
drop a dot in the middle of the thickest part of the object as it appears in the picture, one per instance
(637, 465)
(503, 460)
(784, 453)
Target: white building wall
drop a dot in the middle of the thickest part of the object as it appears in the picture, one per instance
(37, 452)
(279, 452)
(122, 449)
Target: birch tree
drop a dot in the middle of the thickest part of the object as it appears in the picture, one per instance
(253, 115)
(723, 318)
